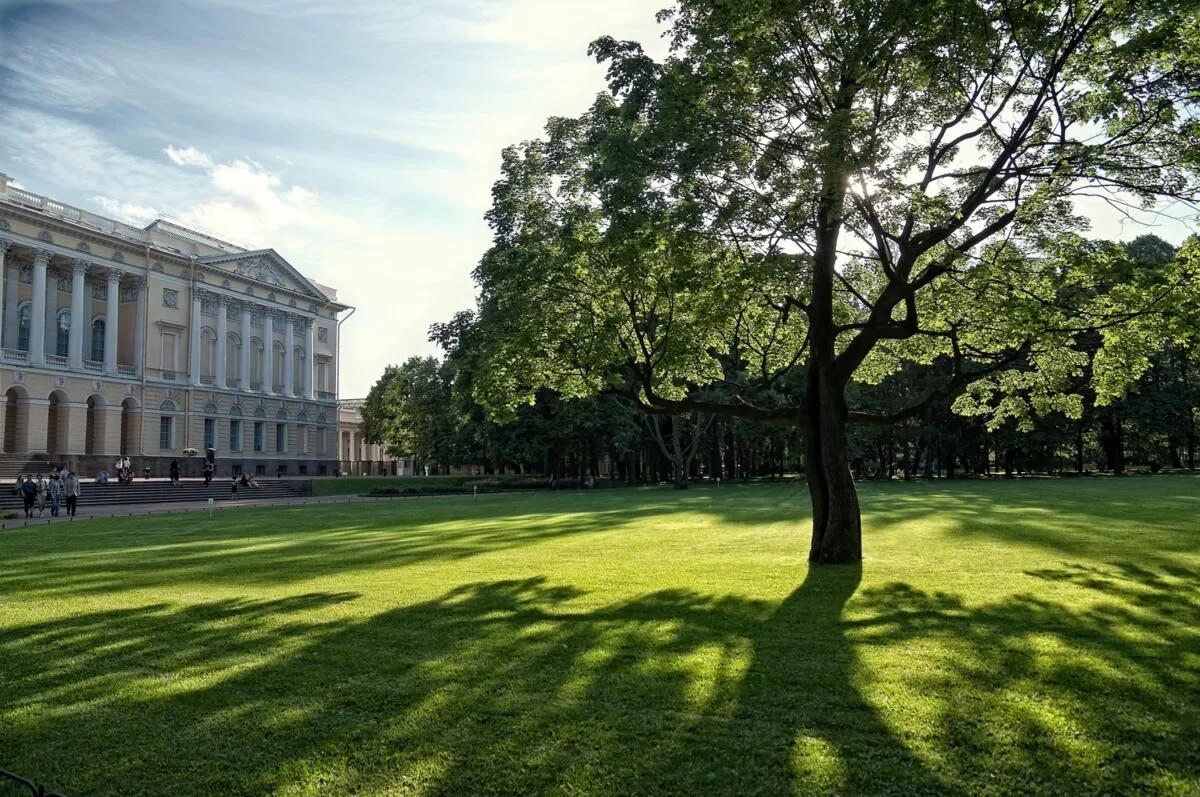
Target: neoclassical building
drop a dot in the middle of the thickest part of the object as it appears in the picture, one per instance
(358, 457)
(147, 342)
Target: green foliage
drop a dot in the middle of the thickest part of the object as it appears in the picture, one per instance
(410, 410)
(798, 172)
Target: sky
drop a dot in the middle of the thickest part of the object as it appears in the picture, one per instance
(360, 140)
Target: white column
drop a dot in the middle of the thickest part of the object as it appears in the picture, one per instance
(269, 352)
(78, 288)
(11, 287)
(289, 343)
(37, 310)
(194, 351)
(245, 380)
(139, 331)
(112, 321)
(51, 312)
(310, 373)
(5, 244)
(222, 337)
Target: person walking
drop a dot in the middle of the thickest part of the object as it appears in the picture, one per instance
(175, 472)
(71, 490)
(234, 489)
(208, 473)
(55, 490)
(43, 493)
(28, 495)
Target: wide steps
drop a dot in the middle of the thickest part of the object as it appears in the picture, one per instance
(161, 491)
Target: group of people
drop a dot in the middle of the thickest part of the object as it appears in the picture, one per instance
(40, 491)
(245, 480)
(124, 470)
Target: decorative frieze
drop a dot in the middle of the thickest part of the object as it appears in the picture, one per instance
(170, 297)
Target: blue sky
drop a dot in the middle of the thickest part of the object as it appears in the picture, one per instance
(358, 139)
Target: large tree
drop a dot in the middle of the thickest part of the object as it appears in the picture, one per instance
(810, 193)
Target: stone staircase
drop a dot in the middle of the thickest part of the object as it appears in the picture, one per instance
(12, 465)
(161, 491)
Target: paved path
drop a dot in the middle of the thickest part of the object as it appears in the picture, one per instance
(133, 510)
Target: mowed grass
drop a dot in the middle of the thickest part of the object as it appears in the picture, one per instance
(1000, 637)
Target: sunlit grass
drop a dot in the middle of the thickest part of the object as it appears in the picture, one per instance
(1000, 637)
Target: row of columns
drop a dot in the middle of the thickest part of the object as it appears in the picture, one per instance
(44, 308)
(268, 372)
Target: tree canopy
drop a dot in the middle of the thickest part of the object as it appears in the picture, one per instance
(806, 195)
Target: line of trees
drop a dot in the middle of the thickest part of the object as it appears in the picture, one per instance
(426, 408)
(840, 216)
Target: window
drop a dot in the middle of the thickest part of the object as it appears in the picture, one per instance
(258, 435)
(166, 432)
(210, 433)
(277, 367)
(256, 361)
(280, 438)
(98, 340)
(170, 351)
(235, 435)
(62, 341)
(208, 353)
(298, 378)
(233, 359)
(302, 433)
(23, 326)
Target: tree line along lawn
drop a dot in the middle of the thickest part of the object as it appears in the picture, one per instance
(1000, 637)
(358, 485)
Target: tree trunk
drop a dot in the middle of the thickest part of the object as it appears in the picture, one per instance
(837, 526)
(1111, 437)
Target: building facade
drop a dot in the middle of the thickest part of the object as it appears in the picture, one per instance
(358, 457)
(149, 342)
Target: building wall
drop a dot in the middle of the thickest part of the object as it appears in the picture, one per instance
(91, 413)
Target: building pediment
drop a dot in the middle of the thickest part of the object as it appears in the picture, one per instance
(264, 267)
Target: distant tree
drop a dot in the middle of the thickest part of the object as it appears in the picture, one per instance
(809, 193)
(410, 411)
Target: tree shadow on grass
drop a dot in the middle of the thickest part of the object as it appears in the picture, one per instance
(284, 545)
(1070, 517)
(291, 545)
(524, 687)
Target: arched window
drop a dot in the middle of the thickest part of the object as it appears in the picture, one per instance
(256, 361)
(23, 311)
(233, 359)
(62, 340)
(298, 379)
(277, 365)
(208, 352)
(98, 340)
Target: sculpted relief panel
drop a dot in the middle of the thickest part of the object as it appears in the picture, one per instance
(257, 268)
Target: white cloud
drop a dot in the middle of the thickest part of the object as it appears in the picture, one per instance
(128, 212)
(188, 156)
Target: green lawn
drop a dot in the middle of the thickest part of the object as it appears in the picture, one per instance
(1002, 637)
